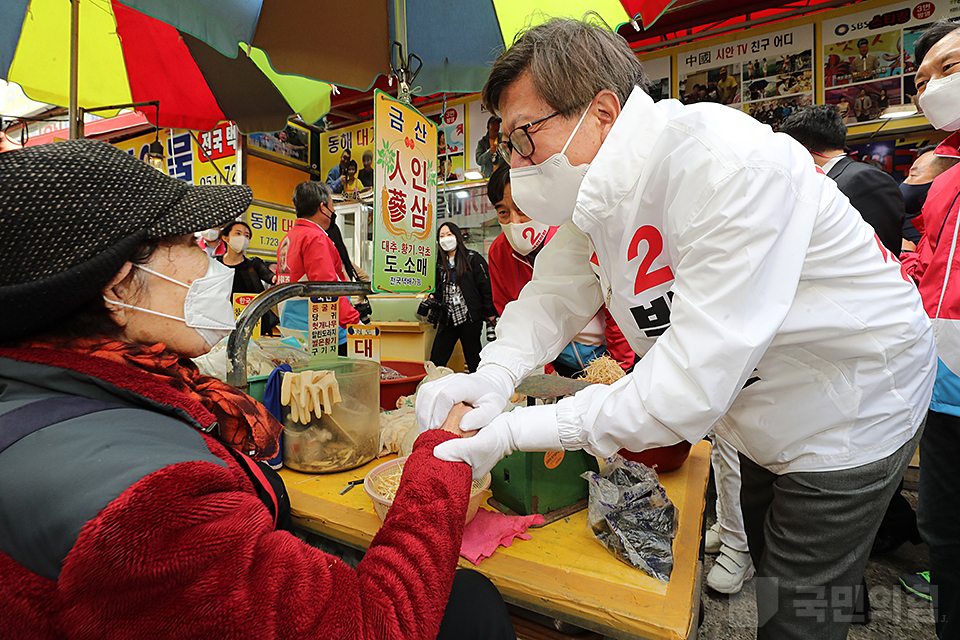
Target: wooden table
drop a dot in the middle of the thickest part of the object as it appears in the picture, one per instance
(562, 572)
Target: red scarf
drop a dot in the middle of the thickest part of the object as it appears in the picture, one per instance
(244, 423)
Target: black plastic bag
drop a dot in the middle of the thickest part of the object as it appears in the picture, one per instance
(630, 514)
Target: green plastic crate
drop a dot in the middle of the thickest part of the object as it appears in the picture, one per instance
(526, 483)
(256, 387)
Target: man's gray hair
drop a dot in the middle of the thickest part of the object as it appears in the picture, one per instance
(308, 196)
(570, 62)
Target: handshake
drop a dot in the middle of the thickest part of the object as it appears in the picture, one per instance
(487, 391)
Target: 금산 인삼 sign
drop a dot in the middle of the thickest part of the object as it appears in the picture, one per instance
(405, 170)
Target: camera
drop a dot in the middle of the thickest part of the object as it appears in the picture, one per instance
(432, 309)
(491, 331)
(364, 309)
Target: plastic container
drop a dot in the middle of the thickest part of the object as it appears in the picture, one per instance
(346, 438)
(381, 504)
(662, 459)
(392, 390)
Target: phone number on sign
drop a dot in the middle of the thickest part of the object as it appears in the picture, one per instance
(229, 172)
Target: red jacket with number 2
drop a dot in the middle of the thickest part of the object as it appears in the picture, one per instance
(312, 256)
(510, 271)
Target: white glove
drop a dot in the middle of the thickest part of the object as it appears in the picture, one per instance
(487, 390)
(524, 429)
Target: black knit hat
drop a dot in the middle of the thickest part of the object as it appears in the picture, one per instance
(72, 213)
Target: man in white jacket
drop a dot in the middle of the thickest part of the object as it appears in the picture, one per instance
(753, 289)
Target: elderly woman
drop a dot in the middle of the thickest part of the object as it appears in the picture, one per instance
(131, 504)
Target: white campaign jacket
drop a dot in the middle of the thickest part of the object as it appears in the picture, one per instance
(750, 284)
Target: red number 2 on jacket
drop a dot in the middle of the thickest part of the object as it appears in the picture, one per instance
(647, 279)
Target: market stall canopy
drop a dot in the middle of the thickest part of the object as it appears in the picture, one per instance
(350, 45)
(126, 56)
(457, 40)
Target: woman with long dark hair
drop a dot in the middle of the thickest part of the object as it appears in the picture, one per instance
(463, 288)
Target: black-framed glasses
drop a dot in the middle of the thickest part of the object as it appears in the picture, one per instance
(520, 141)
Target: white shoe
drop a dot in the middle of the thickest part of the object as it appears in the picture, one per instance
(711, 540)
(732, 569)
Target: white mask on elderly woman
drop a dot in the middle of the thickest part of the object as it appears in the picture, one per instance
(208, 308)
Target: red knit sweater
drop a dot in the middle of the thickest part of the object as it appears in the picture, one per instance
(189, 551)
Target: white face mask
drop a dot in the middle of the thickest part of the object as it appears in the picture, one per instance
(524, 237)
(239, 243)
(211, 235)
(547, 192)
(941, 102)
(207, 309)
(448, 243)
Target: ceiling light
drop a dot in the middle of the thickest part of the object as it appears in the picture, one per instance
(899, 111)
(473, 175)
(155, 157)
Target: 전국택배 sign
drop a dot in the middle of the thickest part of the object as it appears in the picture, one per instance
(405, 171)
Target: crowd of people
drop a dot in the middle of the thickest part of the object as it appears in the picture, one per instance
(774, 253)
(748, 282)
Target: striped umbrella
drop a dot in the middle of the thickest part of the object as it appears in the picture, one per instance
(350, 43)
(258, 61)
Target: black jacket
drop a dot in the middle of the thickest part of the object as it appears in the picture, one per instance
(876, 196)
(475, 285)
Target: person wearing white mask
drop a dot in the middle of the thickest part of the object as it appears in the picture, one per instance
(752, 288)
(512, 256)
(212, 242)
(251, 275)
(463, 290)
(131, 478)
(933, 267)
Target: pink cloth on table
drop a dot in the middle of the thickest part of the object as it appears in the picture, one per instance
(490, 529)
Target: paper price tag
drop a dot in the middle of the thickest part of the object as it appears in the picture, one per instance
(363, 342)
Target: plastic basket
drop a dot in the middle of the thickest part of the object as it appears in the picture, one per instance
(381, 504)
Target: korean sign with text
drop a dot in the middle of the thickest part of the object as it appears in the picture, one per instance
(768, 76)
(357, 139)
(270, 224)
(405, 166)
(868, 61)
(188, 161)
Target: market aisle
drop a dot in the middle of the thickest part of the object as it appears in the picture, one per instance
(895, 614)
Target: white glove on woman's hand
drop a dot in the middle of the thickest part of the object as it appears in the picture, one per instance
(487, 390)
(524, 429)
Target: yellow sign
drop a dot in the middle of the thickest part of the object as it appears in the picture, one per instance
(270, 224)
(240, 302)
(189, 161)
(357, 138)
(363, 342)
(405, 167)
